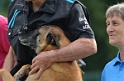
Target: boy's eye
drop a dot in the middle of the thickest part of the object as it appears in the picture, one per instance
(115, 23)
(107, 24)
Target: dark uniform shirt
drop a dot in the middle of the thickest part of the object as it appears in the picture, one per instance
(70, 15)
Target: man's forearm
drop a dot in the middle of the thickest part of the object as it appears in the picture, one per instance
(80, 48)
(10, 60)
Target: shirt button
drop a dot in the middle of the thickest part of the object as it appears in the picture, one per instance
(9, 33)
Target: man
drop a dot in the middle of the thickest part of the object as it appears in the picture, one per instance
(70, 15)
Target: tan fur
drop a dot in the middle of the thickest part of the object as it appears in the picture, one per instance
(68, 71)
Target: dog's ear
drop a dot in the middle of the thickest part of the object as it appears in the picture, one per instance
(53, 39)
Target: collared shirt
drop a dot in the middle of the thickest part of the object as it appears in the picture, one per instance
(114, 70)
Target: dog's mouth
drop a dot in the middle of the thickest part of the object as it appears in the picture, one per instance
(28, 42)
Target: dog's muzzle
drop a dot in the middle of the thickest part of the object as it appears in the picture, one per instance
(29, 39)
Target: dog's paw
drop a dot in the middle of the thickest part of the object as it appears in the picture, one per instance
(19, 75)
(17, 79)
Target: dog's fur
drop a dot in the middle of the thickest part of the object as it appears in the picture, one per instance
(48, 38)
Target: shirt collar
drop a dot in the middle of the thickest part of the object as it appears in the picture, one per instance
(49, 6)
(117, 59)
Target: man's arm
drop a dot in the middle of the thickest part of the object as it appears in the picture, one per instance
(80, 48)
(10, 60)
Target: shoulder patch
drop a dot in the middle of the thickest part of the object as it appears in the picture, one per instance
(70, 1)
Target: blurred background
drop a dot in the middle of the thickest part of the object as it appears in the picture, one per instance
(106, 52)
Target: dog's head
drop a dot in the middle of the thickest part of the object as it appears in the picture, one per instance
(44, 39)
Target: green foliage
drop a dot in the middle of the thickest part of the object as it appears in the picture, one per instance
(4, 7)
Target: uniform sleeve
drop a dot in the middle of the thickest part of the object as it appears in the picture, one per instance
(4, 43)
(78, 24)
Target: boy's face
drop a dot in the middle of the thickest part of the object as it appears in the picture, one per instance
(115, 30)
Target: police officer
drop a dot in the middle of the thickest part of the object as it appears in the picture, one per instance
(28, 15)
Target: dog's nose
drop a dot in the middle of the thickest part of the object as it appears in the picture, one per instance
(28, 41)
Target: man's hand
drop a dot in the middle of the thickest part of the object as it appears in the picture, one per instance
(40, 63)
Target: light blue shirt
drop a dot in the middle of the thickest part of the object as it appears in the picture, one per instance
(114, 70)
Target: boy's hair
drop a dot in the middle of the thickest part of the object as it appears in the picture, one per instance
(117, 9)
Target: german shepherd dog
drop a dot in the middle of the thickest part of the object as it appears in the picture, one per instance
(46, 38)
